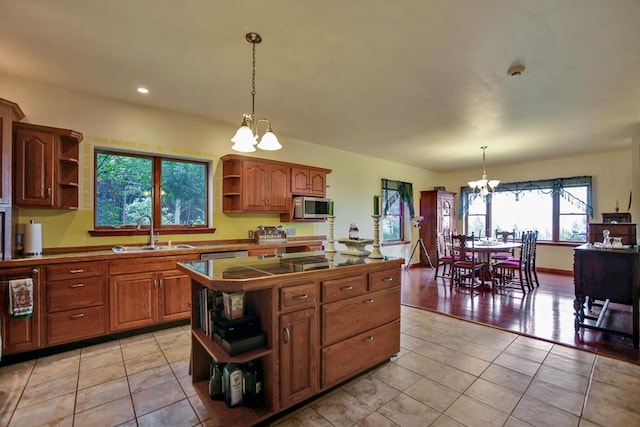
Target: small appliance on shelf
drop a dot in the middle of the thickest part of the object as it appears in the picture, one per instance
(270, 234)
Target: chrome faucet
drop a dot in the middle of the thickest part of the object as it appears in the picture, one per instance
(139, 227)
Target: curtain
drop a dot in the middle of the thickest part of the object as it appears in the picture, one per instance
(404, 191)
(546, 186)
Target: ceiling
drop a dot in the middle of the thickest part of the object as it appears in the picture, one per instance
(420, 82)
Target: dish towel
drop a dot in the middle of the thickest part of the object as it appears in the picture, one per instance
(21, 298)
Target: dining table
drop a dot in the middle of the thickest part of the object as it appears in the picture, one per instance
(484, 249)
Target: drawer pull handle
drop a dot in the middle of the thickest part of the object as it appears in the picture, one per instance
(286, 335)
(388, 279)
(368, 339)
(81, 270)
(346, 288)
(368, 301)
(77, 285)
(300, 297)
(155, 283)
(161, 283)
(76, 316)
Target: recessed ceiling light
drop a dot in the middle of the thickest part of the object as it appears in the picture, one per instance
(515, 70)
(143, 90)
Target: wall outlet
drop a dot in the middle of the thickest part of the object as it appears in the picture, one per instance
(250, 234)
(291, 231)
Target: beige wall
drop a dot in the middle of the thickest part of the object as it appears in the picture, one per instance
(108, 123)
(352, 184)
(612, 180)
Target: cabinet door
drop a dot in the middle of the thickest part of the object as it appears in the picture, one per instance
(300, 181)
(308, 182)
(133, 301)
(175, 296)
(318, 182)
(298, 356)
(255, 186)
(33, 168)
(19, 335)
(279, 197)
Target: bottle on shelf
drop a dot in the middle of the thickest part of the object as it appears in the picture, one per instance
(252, 395)
(216, 384)
(232, 378)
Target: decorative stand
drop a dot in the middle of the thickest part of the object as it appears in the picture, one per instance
(330, 247)
(376, 254)
(355, 247)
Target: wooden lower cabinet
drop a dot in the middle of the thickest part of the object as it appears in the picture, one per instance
(133, 301)
(298, 356)
(75, 297)
(144, 299)
(338, 363)
(175, 296)
(21, 334)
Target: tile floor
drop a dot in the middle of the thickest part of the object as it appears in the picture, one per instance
(449, 373)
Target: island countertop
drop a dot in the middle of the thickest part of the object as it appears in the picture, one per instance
(258, 272)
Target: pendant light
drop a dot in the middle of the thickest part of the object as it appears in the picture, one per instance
(484, 186)
(246, 136)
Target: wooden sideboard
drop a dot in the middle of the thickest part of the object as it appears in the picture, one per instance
(604, 276)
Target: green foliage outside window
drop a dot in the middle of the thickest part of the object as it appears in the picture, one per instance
(124, 190)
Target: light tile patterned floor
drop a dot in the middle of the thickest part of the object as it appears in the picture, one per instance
(449, 373)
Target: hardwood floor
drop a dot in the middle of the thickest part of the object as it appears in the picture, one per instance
(545, 313)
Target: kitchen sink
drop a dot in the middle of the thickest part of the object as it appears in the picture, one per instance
(146, 248)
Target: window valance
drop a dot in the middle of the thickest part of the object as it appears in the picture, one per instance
(545, 186)
(404, 191)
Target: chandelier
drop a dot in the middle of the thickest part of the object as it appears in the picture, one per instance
(246, 136)
(484, 186)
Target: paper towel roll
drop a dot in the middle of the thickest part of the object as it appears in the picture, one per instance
(32, 239)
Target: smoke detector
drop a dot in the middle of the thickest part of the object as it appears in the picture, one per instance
(515, 70)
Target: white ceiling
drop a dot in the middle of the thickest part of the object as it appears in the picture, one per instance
(421, 82)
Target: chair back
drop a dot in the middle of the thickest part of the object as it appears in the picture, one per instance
(525, 247)
(533, 243)
(462, 246)
(505, 236)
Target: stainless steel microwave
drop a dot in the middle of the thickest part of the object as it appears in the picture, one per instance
(305, 207)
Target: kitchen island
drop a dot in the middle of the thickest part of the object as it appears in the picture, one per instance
(326, 317)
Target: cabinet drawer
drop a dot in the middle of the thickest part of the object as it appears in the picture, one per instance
(347, 358)
(74, 271)
(147, 264)
(335, 290)
(344, 319)
(75, 325)
(298, 296)
(384, 279)
(70, 294)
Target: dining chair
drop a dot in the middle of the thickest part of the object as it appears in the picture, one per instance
(531, 266)
(445, 256)
(465, 269)
(513, 272)
(504, 237)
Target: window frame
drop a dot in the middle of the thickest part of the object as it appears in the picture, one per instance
(406, 202)
(128, 230)
(555, 186)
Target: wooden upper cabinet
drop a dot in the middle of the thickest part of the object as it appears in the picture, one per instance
(266, 187)
(308, 181)
(9, 112)
(46, 166)
(251, 184)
